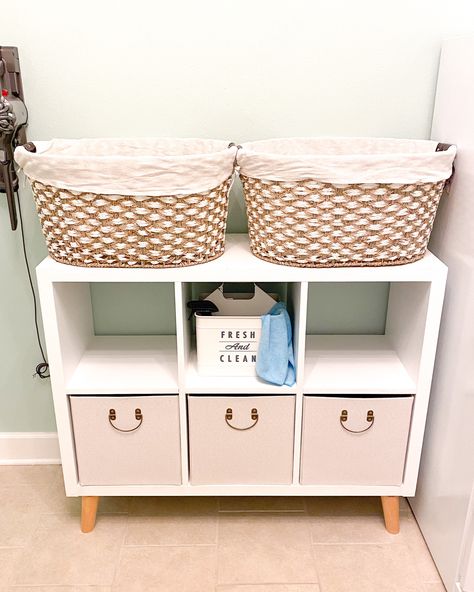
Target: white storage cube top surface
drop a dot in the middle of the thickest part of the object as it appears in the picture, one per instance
(126, 365)
(354, 364)
(239, 265)
(197, 383)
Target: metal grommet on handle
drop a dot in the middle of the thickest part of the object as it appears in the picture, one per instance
(345, 416)
(138, 417)
(253, 416)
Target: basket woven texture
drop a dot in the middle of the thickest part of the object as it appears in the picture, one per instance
(95, 230)
(315, 224)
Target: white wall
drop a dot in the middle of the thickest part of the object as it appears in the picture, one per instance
(447, 467)
(239, 70)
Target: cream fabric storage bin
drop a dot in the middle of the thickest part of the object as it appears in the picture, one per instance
(123, 440)
(354, 440)
(241, 439)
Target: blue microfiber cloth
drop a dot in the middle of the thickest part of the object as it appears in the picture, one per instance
(275, 359)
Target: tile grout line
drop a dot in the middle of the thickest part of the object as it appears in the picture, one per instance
(291, 512)
(119, 557)
(313, 553)
(216, 547)
(169, 545)
(20, 587)
(216, 570)
(349, 544)
(261, 584)
(7, 547)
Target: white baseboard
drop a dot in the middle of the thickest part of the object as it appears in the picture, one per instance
(29, 448)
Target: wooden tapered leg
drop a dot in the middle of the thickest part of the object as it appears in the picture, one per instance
(89, 512)
(391, 513)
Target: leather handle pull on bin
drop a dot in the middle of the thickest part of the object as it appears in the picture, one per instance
(113, 417)
(253, 417)
(345, 416)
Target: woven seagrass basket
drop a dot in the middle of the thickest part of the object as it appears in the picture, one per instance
(140, 204)
(342, 202)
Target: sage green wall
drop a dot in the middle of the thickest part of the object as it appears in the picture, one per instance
(211, 68)
(25, 401)
(133, 309)
(347, 309)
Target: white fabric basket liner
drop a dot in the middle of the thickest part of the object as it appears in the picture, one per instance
(346, 160)
(139, 167)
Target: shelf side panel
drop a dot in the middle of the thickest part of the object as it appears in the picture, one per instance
(425, 376)
(52, 309)
(183, 335)
(297, 304)
(75, 323)
(406, 320)
(183, 294)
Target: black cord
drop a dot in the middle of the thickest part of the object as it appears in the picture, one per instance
(42, 369)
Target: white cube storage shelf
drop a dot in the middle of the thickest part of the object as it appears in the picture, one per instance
(389, 369)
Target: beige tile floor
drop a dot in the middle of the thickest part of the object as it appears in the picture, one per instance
(202, 544)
